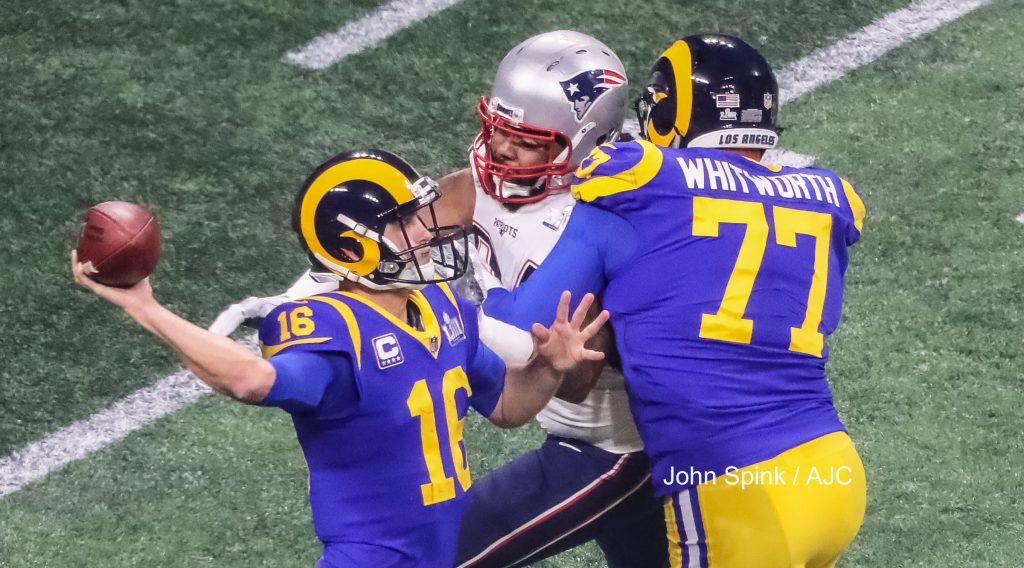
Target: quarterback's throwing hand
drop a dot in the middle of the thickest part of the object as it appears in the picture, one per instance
(562, 344)
(128, 298)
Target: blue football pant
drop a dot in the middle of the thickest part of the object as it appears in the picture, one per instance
(559, 496)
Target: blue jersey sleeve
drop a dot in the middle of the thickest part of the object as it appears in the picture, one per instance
(594, 245)
(307, 380)
(486, 371)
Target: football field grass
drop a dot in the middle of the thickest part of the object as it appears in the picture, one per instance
(188, 107)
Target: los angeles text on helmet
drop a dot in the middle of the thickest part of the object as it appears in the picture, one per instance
(709, 174)
(746, 140)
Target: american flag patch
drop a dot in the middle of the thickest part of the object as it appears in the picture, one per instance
(728, 100)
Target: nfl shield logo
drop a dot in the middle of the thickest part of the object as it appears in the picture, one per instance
(768, 100)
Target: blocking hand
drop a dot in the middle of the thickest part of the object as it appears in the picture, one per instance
(562, 344)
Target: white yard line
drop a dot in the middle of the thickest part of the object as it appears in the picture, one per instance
(36, 460)
(366, 32)
(862, 47)
(82, 438)
(783, 157)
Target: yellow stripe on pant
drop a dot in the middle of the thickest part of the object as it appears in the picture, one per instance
(800, 509)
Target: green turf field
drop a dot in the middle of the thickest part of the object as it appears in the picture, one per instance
(187, 107)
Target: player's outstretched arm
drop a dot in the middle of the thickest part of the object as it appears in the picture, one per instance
(255, 307)
(558, 349)
(226, 366)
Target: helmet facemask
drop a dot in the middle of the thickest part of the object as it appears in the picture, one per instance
(563, 89)
(518, 184)
(446, 244)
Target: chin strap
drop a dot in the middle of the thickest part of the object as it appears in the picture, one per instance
(575, 142)
(509, 189)
(340, 273)
(409, 272)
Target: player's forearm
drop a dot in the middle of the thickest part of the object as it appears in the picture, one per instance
(528, 388)
(226, 366)
(513, 345)
(579, 382)
(572, 266)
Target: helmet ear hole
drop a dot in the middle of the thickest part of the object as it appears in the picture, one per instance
(663, 114)
(660, 99)
(350, 249)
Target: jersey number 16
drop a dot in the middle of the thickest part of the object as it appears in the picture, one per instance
(421, 404)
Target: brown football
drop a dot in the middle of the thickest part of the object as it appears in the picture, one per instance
(121, 243)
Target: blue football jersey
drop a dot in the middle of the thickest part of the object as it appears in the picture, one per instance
(388, 472)
(723, 309)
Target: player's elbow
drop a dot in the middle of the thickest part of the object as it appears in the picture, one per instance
(508, 416)
(509, 422)
(250, 382)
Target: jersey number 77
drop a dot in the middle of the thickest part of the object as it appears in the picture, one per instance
(728, 324)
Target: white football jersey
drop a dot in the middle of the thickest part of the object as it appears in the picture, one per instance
(513, 242)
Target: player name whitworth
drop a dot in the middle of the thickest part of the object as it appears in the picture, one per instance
(708, 174)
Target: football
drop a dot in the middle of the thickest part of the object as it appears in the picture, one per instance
(119, 242)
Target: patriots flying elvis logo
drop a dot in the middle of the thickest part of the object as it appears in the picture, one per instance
(586, 87)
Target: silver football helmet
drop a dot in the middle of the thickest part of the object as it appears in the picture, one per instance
(561, 86)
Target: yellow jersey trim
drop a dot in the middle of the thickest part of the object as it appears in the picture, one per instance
(271, 350)
(773, 167)
(350, 321)
(856, 205)
(450, 295)
(430, 337)
(643, 172)
(596, 158)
